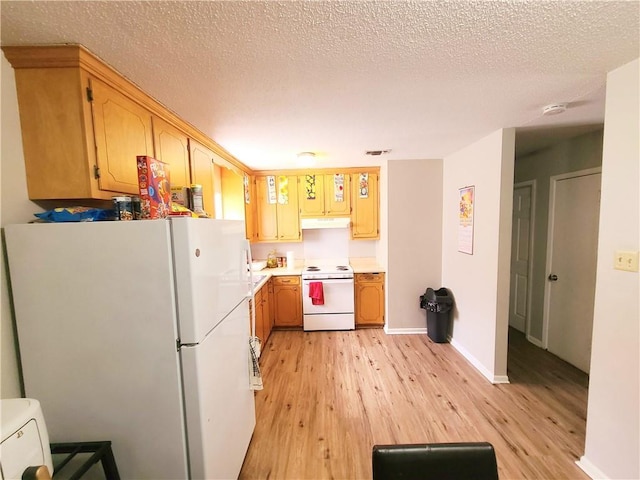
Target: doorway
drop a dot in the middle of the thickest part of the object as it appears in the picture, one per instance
(574, 209)
(521, 255)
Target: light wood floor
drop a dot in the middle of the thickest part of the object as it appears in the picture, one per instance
(330, 396)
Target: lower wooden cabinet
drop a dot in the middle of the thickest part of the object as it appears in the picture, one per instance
(287, 301)
(264, 317)
(369, 299)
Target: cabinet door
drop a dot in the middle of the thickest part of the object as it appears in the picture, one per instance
(311, 195)
(266, 213)
(337, 195)
(250, 208)
(288, 217)
(201, 160)
(272, 304)
(172, 147)
(259, 316)
(364, 196)
(287, 301)
(123, 130)
(266, 316)
(369, 309)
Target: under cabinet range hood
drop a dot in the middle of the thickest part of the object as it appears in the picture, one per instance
(328, 222)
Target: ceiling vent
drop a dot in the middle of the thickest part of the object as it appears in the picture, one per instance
(377, 152)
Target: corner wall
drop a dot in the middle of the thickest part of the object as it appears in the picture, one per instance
(414, 199)
(480, 282)
(612, 446)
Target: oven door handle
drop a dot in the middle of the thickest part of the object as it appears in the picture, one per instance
(332, 281)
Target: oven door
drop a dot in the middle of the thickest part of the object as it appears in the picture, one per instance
(338, 297)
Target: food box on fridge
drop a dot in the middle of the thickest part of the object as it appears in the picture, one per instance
(180, 195)
(155, 187)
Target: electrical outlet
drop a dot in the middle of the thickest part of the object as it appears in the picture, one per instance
(626, 260)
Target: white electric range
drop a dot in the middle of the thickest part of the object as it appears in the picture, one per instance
(331, 284)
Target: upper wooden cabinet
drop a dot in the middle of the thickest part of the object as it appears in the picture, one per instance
(172, 147)
(365, 203)
(202, 173)
(123, 130)
(250, 207)
(83, 125)
(324, 195)
(277, 216)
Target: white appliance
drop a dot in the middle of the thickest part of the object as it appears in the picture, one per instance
(137, 332)
(25, 441)
(336, 312)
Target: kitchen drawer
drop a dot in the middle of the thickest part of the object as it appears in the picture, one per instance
(369, 277)
(286, 280)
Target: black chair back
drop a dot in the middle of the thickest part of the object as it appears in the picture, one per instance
(435, 461)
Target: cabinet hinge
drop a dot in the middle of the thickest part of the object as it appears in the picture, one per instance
(96, 171)
(89, 94)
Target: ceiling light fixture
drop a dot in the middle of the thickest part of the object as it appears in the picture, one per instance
(554, 109)
(306, 155)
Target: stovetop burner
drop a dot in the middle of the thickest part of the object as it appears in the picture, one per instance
(325, 270)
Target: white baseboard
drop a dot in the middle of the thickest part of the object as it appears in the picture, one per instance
(590, 469)
(405, 331)
(481, 368)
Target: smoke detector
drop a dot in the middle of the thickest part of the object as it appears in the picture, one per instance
(377, 152)
(554, 109)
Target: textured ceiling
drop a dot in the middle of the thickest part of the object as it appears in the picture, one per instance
(423, 78)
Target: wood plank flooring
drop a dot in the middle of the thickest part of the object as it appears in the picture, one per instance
(330, 396)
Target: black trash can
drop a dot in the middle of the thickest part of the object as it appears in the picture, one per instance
(438, 304)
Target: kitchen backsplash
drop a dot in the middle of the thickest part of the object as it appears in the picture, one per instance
(321, 243)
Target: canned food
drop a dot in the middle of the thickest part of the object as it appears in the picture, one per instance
(197, 204)
(122, 208)
(136, 208)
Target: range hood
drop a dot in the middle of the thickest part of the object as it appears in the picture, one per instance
(324, 222)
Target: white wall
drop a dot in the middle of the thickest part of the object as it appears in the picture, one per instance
(612, 447)
(321, 243)
(16, 208)
(480, 282)
(414, 201)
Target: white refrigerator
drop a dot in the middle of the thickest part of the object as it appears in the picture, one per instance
(137, 332)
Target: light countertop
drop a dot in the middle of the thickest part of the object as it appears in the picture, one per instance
(359, 265)
(365, 265)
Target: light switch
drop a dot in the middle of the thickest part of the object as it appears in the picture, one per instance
(626, 260)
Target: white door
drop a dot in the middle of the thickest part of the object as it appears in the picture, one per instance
(572, 252)
(521, 236)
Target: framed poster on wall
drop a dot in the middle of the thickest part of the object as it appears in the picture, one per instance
(465, 219)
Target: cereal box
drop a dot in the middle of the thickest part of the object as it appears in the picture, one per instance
(155, 187)
(180, 195)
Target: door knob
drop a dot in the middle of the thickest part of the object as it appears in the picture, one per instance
(553, 278)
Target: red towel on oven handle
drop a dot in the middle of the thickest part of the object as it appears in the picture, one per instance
(316, 293)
